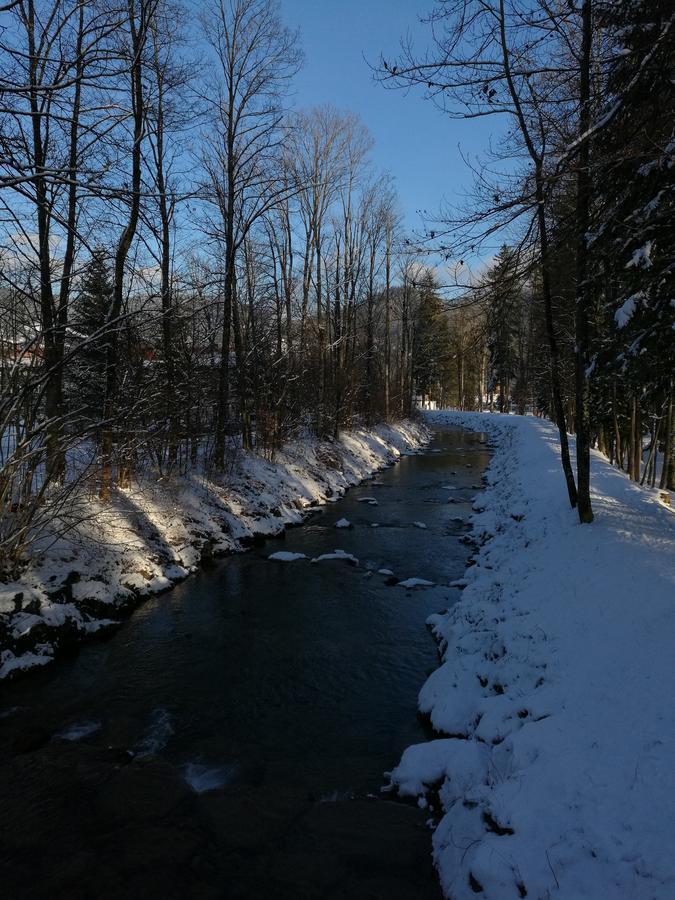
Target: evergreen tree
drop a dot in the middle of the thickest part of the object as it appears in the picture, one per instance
(93, 302)
(432, 342)
(504, 295)
(633, 242)
(88, 332)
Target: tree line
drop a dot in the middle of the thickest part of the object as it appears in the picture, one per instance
(575, 316)
(187, 267)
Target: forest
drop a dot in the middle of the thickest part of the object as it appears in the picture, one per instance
(190, 266)
(575, 317)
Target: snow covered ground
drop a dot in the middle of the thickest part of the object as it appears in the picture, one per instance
(556, 696)
(157, 533)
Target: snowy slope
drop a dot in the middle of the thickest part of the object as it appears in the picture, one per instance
(557, 688)
(159, 531)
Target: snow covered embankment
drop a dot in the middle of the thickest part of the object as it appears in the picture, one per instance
(154, 535)
(556, 688)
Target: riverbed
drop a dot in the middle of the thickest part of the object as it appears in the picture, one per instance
(230, 739)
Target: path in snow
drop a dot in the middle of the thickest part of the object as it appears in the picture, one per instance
(558, 678)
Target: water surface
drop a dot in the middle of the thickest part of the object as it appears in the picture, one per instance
(281, 676)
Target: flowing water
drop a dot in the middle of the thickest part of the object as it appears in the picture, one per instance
(275, 690)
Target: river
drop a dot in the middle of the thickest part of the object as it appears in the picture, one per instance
(230, 739)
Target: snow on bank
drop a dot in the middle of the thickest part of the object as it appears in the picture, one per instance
(555, 774)
(155, 534)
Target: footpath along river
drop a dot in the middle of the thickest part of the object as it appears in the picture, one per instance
(230, 739)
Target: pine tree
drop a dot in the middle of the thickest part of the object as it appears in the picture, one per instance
(634, 240)
(88, 331)
(432, 341)
(503, 302)
(93, 302)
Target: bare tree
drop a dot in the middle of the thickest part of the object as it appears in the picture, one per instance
(170, 114)
(139, 15)
(255, 55)
(486, 62)
(51, 53)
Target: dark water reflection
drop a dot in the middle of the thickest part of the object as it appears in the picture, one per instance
(293, 674)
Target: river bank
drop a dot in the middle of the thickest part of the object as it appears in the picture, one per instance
(552, 773)
(155, 534)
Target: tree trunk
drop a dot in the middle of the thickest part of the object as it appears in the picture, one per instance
(138, 35)
(668, 470)
(54, 458)
(223, 405)
(387, 328)
(558, 406)
(581, 350)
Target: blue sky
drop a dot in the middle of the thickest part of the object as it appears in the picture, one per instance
(414, 141)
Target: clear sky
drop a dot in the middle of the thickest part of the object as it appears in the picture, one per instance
(414, 141)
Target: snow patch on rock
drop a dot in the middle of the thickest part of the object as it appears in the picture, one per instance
(339, 555)
(286, 556)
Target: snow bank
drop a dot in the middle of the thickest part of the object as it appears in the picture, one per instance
(157, 533)
(555, 777)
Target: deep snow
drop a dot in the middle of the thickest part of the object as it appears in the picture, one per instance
(555, 776)
(158, 532)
